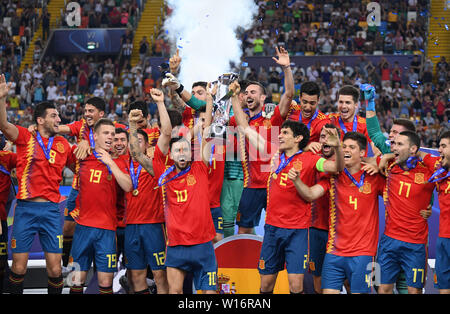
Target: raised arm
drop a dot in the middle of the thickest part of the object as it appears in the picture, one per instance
(333, 140)
(9, 130)
(174, 84)
(166, 126)
(373, 125)
(285, 63)
(206, 145)
(135, 151)
(241, 120)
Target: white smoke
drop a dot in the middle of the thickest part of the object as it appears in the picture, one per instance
(205, 33)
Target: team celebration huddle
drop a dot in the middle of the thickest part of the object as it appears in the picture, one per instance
(161, 196)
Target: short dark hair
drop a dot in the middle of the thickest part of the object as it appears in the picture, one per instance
(445, 134)
(200, 83)
(406, 123)
(358, 138)
(310, 88)
(298, 128)
(175, 117)
(177, 139)
(102, 121)
(263, 89)
(142, 132)
(139, 104)
(243, 84)
(97, 102)
(413, 138)
(41, 110)
(122, 130)
(349, 90)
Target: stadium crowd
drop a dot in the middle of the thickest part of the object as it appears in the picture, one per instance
(320, 27)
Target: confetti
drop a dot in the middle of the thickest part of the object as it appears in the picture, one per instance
(181, 47)
(244, 64)
(446, 26)
(436, 56)
(413, 85)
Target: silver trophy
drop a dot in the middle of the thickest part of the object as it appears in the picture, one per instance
(222, 105)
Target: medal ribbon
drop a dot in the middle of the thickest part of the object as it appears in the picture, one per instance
(311, 120)
(97, 156)
(361, 181)
(435, 176)
(284, 162)
(135, 176)
(168, 171)
(49, 144)
(355, 124)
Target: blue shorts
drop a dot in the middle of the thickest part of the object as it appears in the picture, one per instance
(70, 204)
(252, 203)
(145, 244)
(43, 218)
(394, 255)
(93, 243)
(283, 246)
(199, 259)
(442, 279)
(217, 217)
(4, 241)
(318, 239)
(357, 269)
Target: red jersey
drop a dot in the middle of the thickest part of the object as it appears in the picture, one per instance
(153, 135)
(8, 162)
(406, 194)
(353, 222)
(215, 175)
(443, 189)
(285, 207)
(314, 125)
(256, 165)
(121, 203)
(360, 126)
(188, 116)
(98, 194)
(186, 207)
(37, 176)
(146, 207)
(320, 208)
(81, 131)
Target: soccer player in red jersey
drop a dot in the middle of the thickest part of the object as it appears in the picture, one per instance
(353, 219)
(187, 214)
(441, 177)
(256, 163)
(308, 112)
(288, 215)
(41, 158)
(347, 118)
(8, 162)
(94, 109)
(145, 231)
(318, 232)
(95, 232)
(403, 244)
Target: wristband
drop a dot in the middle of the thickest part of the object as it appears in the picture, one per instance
(180, 89)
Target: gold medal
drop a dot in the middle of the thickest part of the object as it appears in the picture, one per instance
(135, 192)
(109, 177)
(274, 175)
